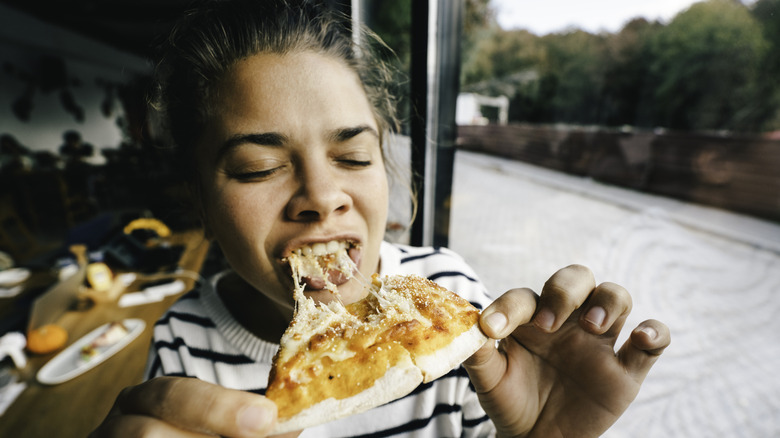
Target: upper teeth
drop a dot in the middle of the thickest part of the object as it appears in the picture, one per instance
(321, 248)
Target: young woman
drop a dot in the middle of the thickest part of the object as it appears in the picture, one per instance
(281, 121)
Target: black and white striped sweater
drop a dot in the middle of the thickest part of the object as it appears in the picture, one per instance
(199, 338)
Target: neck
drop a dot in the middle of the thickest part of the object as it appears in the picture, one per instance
(253, 310)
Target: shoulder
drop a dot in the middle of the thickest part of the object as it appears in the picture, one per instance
(405, 257)
(439, 264)
(185, 323)
(187, 309)
(197, 337)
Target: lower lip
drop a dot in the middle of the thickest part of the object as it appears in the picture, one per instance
(335, 277)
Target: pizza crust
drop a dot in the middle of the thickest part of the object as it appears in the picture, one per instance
(398, 381)
(461, 348)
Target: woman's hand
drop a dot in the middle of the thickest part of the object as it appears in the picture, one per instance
(555, 371)
(184, 407)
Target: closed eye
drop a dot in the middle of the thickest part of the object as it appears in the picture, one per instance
(254, 175)
(356, 163)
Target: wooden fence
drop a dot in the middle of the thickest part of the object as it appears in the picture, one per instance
(737, 173)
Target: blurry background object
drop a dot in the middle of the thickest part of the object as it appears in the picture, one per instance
(12, 345)
(60, 297)
(46, 338)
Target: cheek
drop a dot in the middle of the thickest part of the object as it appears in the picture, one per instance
(381, 184)
(238, 219)
(383, 199)
(374, 197)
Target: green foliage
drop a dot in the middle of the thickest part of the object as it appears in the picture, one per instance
(626, 96)
(391, 20)
(713, 67)
(705, 63)
(767, 107)
(576, 60)
(498, 53)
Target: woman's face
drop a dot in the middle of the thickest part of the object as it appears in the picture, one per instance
(291, 157)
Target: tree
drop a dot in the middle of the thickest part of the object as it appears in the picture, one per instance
(575, 63)
(626, 95)
(704, 65)
(766, 108)
(713, 67)
(500, 53)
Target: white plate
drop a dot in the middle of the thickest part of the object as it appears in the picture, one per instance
(13, 276)
(68, 364)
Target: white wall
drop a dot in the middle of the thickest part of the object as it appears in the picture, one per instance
(23, 41)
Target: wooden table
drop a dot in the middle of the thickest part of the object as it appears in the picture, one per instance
(76, 407)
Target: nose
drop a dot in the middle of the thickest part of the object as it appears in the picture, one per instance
(320, 194)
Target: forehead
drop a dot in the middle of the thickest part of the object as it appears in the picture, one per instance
(284, 90)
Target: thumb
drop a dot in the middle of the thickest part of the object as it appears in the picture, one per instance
(643, 348)
(486, 367)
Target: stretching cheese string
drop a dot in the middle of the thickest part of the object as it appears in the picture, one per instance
(344, 264)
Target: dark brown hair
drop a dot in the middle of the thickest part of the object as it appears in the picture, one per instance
(210, 39)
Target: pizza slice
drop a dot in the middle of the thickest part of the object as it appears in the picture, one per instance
(337, 360)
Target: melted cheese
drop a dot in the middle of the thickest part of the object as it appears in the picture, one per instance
(313, 266)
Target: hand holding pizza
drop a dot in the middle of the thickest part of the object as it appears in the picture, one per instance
(555, 371)
(185, 407)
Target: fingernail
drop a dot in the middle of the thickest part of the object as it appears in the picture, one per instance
(649, 331)
(596, 316)
(496, 321)
(545, 319)
(254, 418)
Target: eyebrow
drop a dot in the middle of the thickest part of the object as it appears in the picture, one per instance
(273, 139)
(263, 139)
(276, 139)
(344, 134)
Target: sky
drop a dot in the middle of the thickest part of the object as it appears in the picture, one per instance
(543, 17)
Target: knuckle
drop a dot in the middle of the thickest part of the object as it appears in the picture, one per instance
(614, 288)
(206, 402)
(578, 271)
(558, 295)
(153, 397)
(125, 400)
(516, 299)
(571, 276)
(568, 287)
(170, 394)
(614, 293)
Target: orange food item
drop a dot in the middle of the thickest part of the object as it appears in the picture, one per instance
(46, 339)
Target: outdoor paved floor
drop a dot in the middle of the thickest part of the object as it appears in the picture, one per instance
(712, 276)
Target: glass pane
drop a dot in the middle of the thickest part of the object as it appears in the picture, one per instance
(643, 141)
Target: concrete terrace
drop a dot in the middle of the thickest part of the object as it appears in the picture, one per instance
(712, 276)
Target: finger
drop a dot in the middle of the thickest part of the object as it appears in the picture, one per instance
(564, 292)
(606, 309)
(513, 308)
(486, 367)
(643, 348)
(139, 425)
(200, 406)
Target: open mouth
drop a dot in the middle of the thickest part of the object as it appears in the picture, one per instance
(324, 265)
